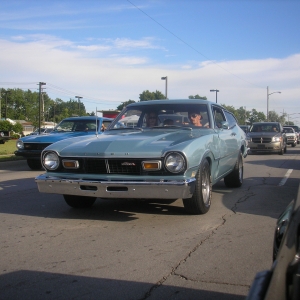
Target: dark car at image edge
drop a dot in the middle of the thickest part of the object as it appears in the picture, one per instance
(282, 281)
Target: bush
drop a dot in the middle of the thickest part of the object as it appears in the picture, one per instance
(5, 125)
(14, 128)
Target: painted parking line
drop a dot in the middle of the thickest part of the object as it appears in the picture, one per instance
(285, 178)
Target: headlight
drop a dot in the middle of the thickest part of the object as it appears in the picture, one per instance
(175, 162)
(20, 144)
(276, 139)
(50, 161)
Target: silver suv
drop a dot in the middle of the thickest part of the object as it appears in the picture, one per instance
(291, 136)
(267, 137)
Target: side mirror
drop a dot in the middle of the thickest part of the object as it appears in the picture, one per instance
(225, 125)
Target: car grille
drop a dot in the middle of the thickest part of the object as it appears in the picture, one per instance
(112, 166)
(262, 140)
(36, 146)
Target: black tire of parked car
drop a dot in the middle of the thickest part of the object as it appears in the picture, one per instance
(294, 145)
(235, 178)
(34, 164)
(201, 200)
(79, 201)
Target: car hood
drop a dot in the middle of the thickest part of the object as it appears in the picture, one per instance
(290, 134)
(148, 143)
(54, 136)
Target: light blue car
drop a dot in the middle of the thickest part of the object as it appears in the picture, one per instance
(31, 146)
(174, 149)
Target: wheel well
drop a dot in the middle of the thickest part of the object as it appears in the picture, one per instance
(243, 149)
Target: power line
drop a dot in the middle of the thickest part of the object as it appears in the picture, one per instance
(190, 46)
(62, 91)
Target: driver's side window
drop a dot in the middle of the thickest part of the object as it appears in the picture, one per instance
(218, 117)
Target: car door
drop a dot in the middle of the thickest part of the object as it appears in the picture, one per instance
(226, 141)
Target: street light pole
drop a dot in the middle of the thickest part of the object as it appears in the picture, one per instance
(278, 92)
(78, 97)
(40, 103)
(166, 79)
(7, 92)
(216, 94)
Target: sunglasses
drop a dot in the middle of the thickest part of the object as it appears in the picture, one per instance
(194, 115)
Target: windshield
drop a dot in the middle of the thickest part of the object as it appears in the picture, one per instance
(76, 125)
(162, 115)
(289, 130)
(265, 128)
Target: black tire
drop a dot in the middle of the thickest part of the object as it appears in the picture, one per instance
(294, 145)
(34, 164)
(79, 201)
(285, 148)
(201, 200)
(2, 141)
(235, 178)
(282, 150)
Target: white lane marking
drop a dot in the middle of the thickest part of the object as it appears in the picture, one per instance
(285, 178)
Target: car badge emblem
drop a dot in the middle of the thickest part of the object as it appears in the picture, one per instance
(128, 164)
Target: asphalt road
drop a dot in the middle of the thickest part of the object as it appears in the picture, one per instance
(129, 249)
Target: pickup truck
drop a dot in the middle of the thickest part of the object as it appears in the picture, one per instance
(4, 136)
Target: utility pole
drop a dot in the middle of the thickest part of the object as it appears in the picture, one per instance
(166, 79)
(216, 94)
(78, 97)
(40, 100)
(43, 106)
(6, 103)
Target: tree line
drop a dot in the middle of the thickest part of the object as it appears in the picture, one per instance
(17, 104)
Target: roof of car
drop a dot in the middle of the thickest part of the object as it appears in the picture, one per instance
(265, 123)
(87, 118)
(172, 101)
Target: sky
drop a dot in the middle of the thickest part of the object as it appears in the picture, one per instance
(109, 52)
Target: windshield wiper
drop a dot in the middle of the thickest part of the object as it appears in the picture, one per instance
(171, 127)
(125, 128)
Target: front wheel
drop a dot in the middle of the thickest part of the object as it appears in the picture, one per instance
(235, 178)
(79, 201)
(201, 199)
(282, 150)
(34, 164)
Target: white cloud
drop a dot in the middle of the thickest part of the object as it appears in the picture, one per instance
(111, 78)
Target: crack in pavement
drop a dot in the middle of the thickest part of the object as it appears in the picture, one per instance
(242, 199)
(213, 282)
(173, 271)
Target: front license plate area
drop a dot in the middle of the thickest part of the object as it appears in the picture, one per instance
(261, 146)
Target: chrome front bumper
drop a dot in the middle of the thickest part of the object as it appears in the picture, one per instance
(117, 189)
(268, 147)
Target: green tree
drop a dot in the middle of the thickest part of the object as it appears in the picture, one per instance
(274, 117)
(124, 104)
(18, 128)
(255, 116)
(5, 125)
(147, 95)
(198, 97)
